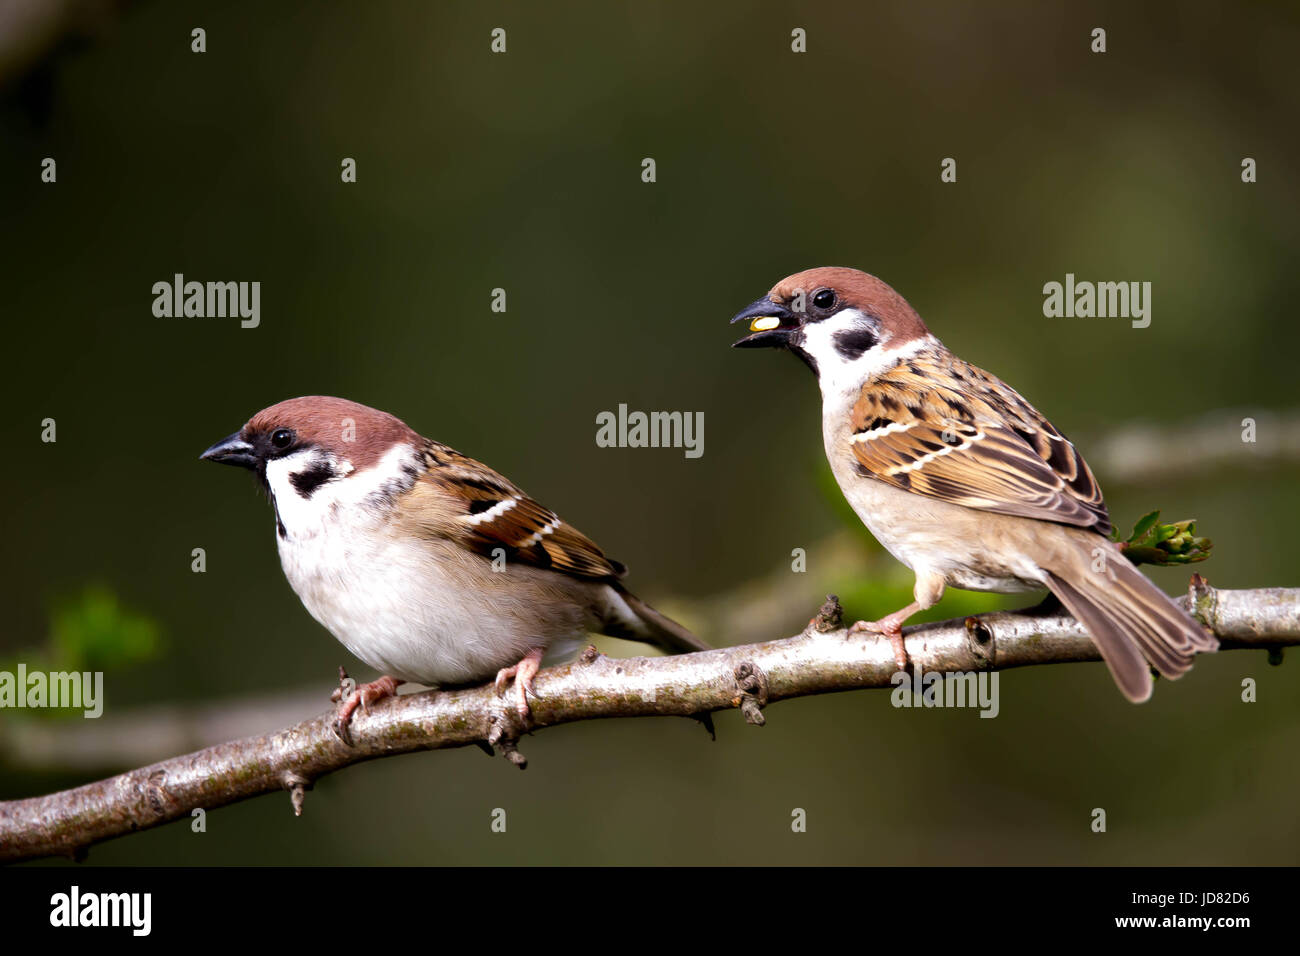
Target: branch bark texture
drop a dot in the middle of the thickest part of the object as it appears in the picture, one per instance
(821, 659)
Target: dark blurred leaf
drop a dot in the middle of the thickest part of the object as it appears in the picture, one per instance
(93, 631)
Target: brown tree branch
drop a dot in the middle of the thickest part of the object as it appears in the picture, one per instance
(821, 659)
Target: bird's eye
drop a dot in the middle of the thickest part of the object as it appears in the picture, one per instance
(823, 298)
(282, 438)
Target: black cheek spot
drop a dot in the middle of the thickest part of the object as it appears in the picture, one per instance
(852, 343)
(306, 482)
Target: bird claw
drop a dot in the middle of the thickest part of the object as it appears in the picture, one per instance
(363, 697)
(522, 674)
(342, 732)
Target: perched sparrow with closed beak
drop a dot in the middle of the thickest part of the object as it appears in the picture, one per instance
(428, 565)
(960, 478)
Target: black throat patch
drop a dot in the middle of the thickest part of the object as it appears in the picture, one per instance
(805, 357)
(795, 345)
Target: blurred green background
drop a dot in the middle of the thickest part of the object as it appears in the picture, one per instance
(522, 171)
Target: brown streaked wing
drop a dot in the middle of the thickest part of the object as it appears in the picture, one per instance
(976, 443)
(489, 512)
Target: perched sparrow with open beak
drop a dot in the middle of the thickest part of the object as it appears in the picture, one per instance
(960, 478)
(427, 565)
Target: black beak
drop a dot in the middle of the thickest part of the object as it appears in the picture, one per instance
(767, 333)
(232, 450)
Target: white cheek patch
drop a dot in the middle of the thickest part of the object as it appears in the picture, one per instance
(841, 377)
(280, 471)
(836, 370)
(296, 513)
(348, 490)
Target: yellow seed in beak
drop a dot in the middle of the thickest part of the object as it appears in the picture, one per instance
(763, 323)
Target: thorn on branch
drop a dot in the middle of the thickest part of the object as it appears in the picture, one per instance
(751, 683)
(1275, 656)
(500, 737)
(297, 785)
(511, 753)
(830, 617)
(1202, 601)
(706, 719)
(590, 655)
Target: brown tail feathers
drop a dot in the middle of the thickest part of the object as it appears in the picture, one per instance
(654, 628)
(1131, 620)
